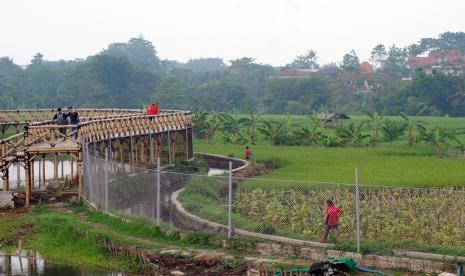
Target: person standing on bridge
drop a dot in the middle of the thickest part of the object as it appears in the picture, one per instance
(151, 110)
(61, 119)
(73, 116)
(156, 109)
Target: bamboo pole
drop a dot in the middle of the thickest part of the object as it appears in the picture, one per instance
(32, 174)
(71, 165)
(5, 180)
(121, 145)
(44, 177)
(28, 180)
(80, 173)
(55, 167)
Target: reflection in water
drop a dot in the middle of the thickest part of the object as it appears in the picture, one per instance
(16, 172)
(31, 263)
(213, 171)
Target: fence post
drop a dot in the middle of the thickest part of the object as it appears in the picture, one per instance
(357, 208)
(158, 191)
(87, 170)
(106, 179)
(151, 147)
(169, 147)
(230, 201)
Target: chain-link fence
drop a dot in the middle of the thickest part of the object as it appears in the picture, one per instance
(365, 219)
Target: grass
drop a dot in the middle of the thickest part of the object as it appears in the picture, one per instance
(396, 165)
(69, 238)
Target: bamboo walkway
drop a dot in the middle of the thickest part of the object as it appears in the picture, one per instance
(38, 136)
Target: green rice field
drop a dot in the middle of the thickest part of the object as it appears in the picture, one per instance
(395, 164)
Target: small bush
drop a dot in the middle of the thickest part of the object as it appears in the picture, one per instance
(272, 162)
(196, 165)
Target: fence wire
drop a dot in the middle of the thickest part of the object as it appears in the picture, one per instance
(391, 219)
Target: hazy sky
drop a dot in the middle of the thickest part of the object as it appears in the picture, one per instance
(272, 31)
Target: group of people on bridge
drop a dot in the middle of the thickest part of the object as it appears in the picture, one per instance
(69, 118)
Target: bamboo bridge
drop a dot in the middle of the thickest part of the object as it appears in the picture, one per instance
(126, 132)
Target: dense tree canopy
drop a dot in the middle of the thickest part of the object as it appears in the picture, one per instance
(131, 74)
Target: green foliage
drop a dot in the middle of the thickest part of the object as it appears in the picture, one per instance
(196, 165)
(274, 131)
(351, 62)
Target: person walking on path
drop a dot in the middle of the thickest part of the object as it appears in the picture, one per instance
(61, 119)
(73, 116)
(248, 153)
(331, 220)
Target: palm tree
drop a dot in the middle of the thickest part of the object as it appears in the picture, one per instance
(352, 134)
(273, 130)
(412, 125)
(376, 121)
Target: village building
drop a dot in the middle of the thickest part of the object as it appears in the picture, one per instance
(449, 63)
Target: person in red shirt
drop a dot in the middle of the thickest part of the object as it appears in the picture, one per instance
(152, 110)
(156, 108)
(332, 219)
(248, 153)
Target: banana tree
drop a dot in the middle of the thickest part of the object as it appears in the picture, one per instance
(274, 131)
(352, 134)
(392, 130)
(231, 129)
(436, 137)
(375, 122)
(412, 126)
(310, 135)
(251, 123)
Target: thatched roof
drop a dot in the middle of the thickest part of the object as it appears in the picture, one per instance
(332, 116)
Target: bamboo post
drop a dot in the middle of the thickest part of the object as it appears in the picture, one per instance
(121, 145)
(28, 180)
(44, 177)
(5, 180)
(71, 165)
(62, 170)
(158, 191)
(18, 175)
(136, 155)
(150, 147)
(357, 208)
(174, 147)
(186, 145)
(55, 167)
(230, 201)
(106, 179)
(169, 147)
(32, 174)
(80, 173)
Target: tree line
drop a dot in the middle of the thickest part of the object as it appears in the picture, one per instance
(131, 75)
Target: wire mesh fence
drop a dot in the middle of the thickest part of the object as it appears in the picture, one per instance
(388, 219)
